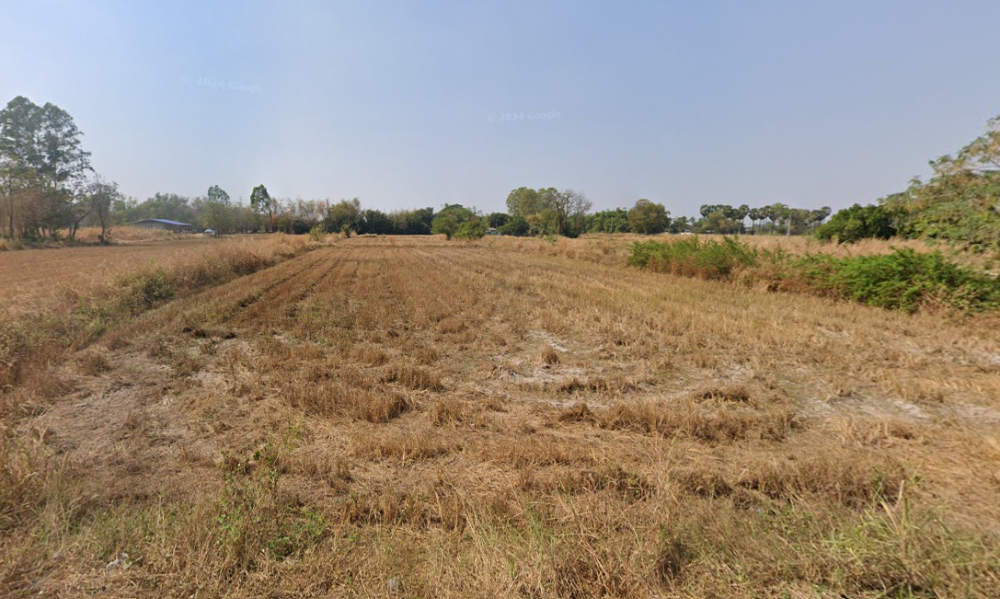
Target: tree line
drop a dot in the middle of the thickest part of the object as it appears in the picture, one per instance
(267, 214)
(547, 211)
(48, 189)
(47, 184)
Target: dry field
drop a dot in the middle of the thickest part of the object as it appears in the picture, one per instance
(34, 274)
(509, 418)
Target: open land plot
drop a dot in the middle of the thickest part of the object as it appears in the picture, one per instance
(419, 418)
(29, 275)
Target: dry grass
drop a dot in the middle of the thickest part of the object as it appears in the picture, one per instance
(413, 378)
(400, 417)
(549, 356)
(713, 426)
(67, 297)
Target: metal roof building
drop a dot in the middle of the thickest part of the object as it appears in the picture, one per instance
(162, 224)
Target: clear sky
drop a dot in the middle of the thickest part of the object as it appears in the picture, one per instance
(419, 103)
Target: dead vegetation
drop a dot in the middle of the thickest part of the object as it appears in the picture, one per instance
(399, 417)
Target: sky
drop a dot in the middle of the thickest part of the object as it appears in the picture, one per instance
(407, 104)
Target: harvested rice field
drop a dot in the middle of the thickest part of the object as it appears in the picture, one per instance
(419, 418)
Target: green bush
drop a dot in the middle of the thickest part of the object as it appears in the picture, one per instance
(903, 280)
(693, 257)
(317, 234)
(858, 222)
(145, 290)
(517, 227)
(473, 229)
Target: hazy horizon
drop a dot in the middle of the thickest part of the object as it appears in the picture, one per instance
(407, 106)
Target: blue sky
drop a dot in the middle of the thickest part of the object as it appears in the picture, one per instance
(411, 104)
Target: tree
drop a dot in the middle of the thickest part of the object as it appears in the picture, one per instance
(859, 222)
(722, 218)
(497, 219)
(472, 229)
(739, 214)
(961, 201)
(218, 195)
(18, 185)
(981, 156)
(549, 211)
(78, 208)
(781, 214)
(450, 218)
(103, 196)
(766, 214)
(681, 224)
(718, 222)
(816, 217)
(517, 227)
(524, 202)
(412, 222)
(445, 224)
(374, 222)
(648, 218)
(707, 209)
(572, 206)
(563, 212)
(344, 213)
(608, 221)
(169, 206)
(755, 215)
(41, 157)
(263, 206)
(215, 211)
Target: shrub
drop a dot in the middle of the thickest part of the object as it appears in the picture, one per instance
(317, 234)
(145, 290)
(905, 280)
(695, 258)
(444, 223)
(473, 229)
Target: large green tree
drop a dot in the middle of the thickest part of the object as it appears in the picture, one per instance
(343, 216)
(219, 195)
(497, 219)
(608, 221)
(549, 211)
(43, 166)
(648, 217)
(450, 218)
(517, 227)
(859, 222)
(263, 206)
(524, 202)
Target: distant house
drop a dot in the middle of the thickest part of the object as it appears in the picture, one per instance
(163, 225)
